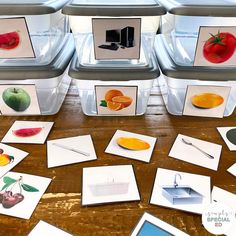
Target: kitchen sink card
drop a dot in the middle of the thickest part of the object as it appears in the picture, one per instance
(9, 157)
(116, 38)
(196, 151)
(149, 225)
(229, 136)
(232, 169)
(28, 132)
(109, 184)
(72, 150)
(181, 190)
(43, 228)
(116, 100)
(132, 145)
(15, 41)
(228, 199)
(19, 99)
(216, 46)
(206, 101)
(20, 193)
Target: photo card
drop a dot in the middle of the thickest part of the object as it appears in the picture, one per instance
(227, 198)
(216, 46)
(71, 150)
(44, 228)
(21, 193)
(19, 99)
(131, 145)
(116, 100)
(15, 41)
(9, 158)
(28, 132)
(196, 151)
(109, 184)
(229, 136)
(116, 38)
(206, 100)
(149, 225)
(181, 190)
(232, 169)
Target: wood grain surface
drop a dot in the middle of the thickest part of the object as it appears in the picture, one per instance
(61, 204)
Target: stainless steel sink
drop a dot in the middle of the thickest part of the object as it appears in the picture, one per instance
(181, 194)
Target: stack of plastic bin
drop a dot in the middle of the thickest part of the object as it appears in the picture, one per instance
(176, 48)
(36, 48)
(124, 26)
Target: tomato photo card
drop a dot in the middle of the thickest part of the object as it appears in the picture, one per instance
(9, 158)
(71, 150)
(116, 38)
(131, 145)
(15, 40)
(19, 99)
(196, 151)
(150, 225)
(229, 136)
(28, 132)
(20, 193)
(206, 100)
(116, 100)
(109, 184)
(232, 169)
(44, 228)
(216, 46)
(181, 190)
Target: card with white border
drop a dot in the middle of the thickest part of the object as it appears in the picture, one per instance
(28, 132)
(15, 41)
(116, 100)
(131, 145)
(196, 151)
(19, 99)
(109, 184)
(232, 169)
(229, 136)
(216, 46)
(206, 100)
(44, 228)
(71, 150)
(10, 157)
(181, 190)
(227, 198)
(150, 225)
(21, 193)
(116, 38)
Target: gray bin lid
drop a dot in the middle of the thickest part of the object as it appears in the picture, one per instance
(113, 73)
(30, 7)
(170, 69)
(54, 69)
(221, 8)
(114, 8)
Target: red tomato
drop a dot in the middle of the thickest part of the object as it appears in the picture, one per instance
(220, 47)
(9, 40)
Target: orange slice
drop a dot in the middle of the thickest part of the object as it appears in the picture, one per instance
(207, 100)
(114, 106)
(134, 144)
(112, 93)
(125, 100)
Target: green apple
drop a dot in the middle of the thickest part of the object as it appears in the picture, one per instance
(16, 98)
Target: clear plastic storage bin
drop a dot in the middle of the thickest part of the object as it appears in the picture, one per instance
(89, 80)
(46, 27)
(180, 26)
(82, 14)
(51, 81)
(175, 79)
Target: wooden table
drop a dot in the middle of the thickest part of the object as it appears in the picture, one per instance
(61, 204)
